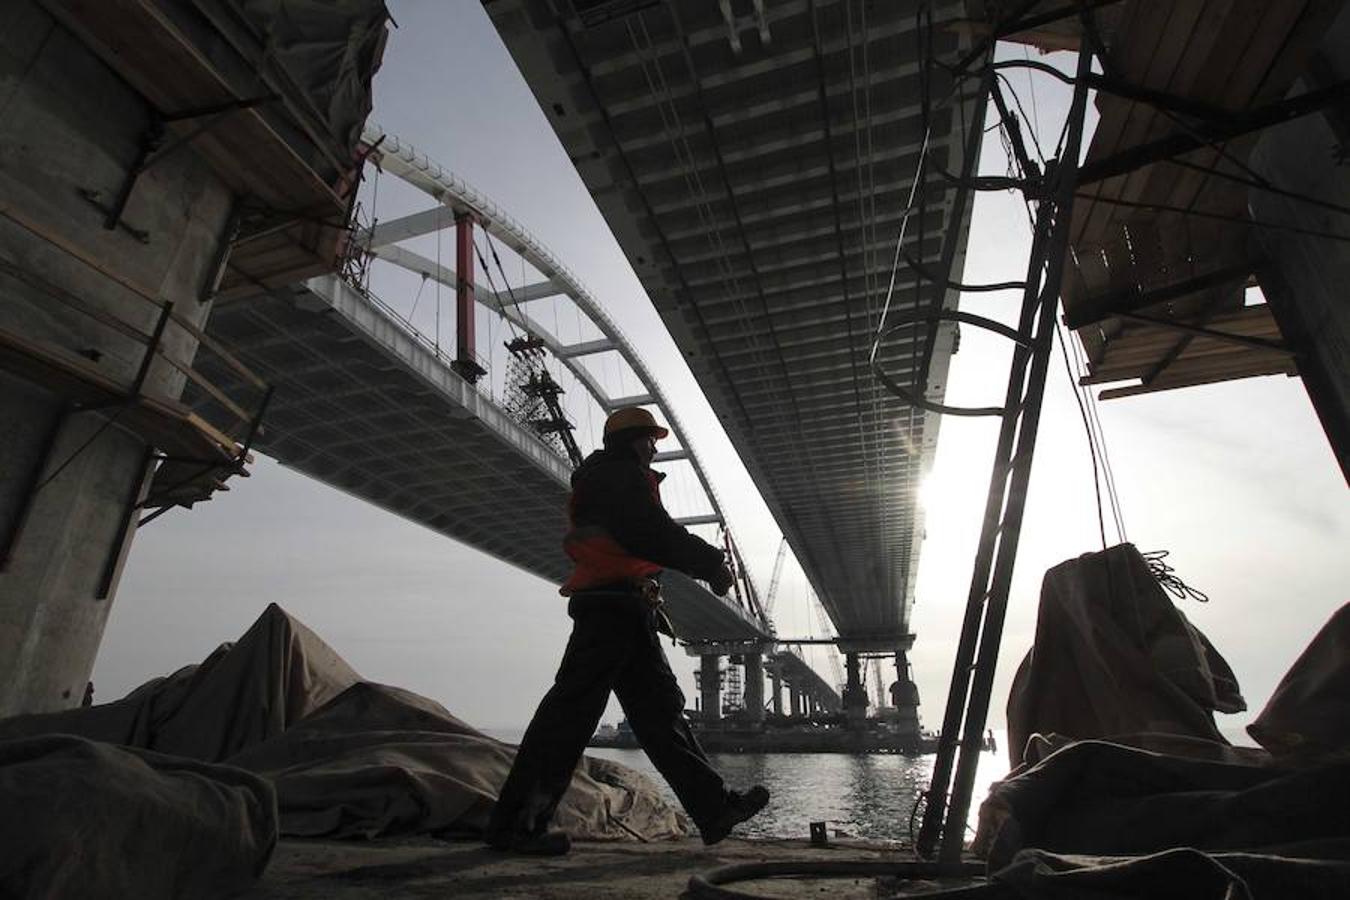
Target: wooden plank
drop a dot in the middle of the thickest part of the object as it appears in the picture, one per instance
(1225, 56)
(57, 369)
(1159, 74)
(73, 301)
(221, 351)
(1229, 371)
(1138, 346)
(1123, 122)
(1246, 81)
(165, 424)
(1240, 53)
(1144, 354)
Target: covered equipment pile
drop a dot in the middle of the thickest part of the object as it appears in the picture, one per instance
(1124, 787)
(182, 787)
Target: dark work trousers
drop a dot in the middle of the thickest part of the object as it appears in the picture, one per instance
(614, 646)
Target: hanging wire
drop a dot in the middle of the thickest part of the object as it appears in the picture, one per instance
(374, 218)
(492, 349)
(418, 297)
(439, 208)
(492, 248)
(1031, 87)
(771, 363)
(1094, 415)
(1243, 221)
(590, 423)
(1102, 472)
(868, 431)
(673, 127)
(1030, 130)
(1087, 427)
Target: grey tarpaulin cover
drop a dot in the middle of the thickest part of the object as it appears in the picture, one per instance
(379, 760)
(1172, 827)
(1308, 716)
(242, 693)
(1181, 873)
(1165, 807)
(87, 820)
(330, 49)
(312, 60)
(344, 757)
(1113, 655)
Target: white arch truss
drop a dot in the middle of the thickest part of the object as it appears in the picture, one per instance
(399, 158)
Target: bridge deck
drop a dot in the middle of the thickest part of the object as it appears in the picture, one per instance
(365, 404)
(757, 171)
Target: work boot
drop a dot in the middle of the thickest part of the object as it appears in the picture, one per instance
(546, 843)
(739, 808)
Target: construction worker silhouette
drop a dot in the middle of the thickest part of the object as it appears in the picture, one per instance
(621, 538)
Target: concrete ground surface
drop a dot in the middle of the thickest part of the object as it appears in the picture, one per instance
(424, 868)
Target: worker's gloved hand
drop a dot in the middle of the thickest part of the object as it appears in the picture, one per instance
(721, 582)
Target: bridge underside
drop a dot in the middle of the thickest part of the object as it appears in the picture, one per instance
(756, 171)
(365, 405)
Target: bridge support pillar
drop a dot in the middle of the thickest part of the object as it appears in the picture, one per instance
(776, 685)
(69, 484)
(905, 697)
(754, 688)
(466, 344)
(710, 688)
(855, 696)
(795, 699)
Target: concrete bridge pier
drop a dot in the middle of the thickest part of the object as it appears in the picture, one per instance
(710, 688)
(754, 688)
(776, 685)
(855, 696)
(905, 698)
(795, 699)
(70, 481)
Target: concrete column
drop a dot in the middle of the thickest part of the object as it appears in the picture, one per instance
(855, 697)
(905, 697)
(795, 699)
(1304, 275)
(754, 688)
(68, 482)
(777, 686)
(710, 688)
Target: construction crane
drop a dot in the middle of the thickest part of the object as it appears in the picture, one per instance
(826, 631)
(774, 579)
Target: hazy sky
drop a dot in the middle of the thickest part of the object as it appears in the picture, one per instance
(1236, 480)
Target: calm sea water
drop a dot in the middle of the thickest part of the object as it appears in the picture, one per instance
(860, 796)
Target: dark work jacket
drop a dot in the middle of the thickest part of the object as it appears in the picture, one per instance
(620, 530)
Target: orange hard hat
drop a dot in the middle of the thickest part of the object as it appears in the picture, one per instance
(633, 417)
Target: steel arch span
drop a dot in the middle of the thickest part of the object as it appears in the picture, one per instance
(369, 402)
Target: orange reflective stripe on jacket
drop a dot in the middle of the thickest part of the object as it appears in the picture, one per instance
(600, 560)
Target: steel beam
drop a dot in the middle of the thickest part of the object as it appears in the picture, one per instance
(1132, 299)
(1204, 134)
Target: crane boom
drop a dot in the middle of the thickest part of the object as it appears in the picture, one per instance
(774, 579)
